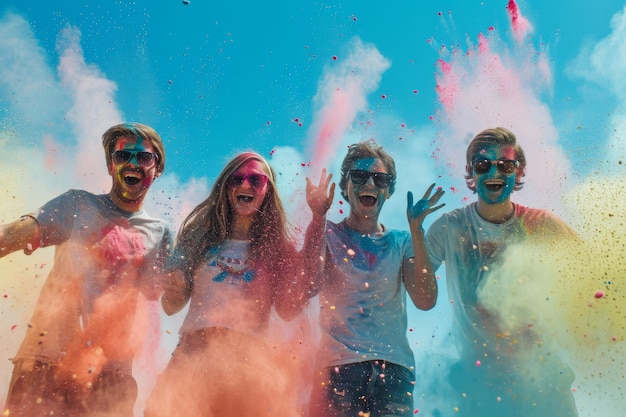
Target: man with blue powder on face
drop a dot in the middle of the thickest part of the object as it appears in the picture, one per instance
(496, 374)
(365, 365)
(77, 355)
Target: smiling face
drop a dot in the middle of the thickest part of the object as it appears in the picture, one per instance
(367, 200)
(247, 187)
(131, 180)
(494, 186)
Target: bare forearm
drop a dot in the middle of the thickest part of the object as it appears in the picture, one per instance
(22, 234)
(312, 253)
(300, 284)
(420, 279)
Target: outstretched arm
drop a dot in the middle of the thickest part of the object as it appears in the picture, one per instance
(319, 198)
(419, 276)
(23, 234)
(296, 292)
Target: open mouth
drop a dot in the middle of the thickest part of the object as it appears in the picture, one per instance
(132, 177)
(494, 185)
(245, 198)
(368, 200)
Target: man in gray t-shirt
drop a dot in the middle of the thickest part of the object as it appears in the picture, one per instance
(365, 364)
(76, 357)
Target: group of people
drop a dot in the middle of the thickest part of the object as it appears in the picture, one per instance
(234, 262)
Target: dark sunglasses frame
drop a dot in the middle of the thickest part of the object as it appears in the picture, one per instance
(255, 180)
(505, 166)
(144, 159)
(361, 177)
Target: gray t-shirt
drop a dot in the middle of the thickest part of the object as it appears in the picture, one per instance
(363, 299)
(104, 257)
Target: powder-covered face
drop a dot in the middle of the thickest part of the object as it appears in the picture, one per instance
(131, 180)
(494, 186)
(367, 200)
(247, 188)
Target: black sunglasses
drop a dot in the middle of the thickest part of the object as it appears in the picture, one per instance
(255, 180)
(505, 166)
(361, 177)
(144, 159)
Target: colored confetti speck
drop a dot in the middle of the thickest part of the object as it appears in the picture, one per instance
(13, 327)
(272, 152)
(350, 252)
(415, 91)
(599, 294)
(478, 363)
(186, 2)
(416, 411)
(334, 57)
(383, 96)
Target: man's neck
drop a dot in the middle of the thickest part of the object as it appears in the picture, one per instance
(495, 213)
(364, 225)
(131, 206)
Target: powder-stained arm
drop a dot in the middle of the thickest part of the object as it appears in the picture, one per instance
(23, 234)
(418, 274)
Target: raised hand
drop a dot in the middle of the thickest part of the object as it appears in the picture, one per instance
(320, 197)
(418, 212)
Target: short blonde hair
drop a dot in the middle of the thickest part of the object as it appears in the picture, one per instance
(497, 136)
(135, 130)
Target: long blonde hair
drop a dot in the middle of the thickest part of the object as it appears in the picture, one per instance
(209, 224)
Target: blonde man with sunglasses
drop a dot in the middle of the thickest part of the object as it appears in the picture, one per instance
(492, 377)
(365, 363)
(77, 355)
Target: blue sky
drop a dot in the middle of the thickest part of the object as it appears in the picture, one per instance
(214, 78)
(210, 76)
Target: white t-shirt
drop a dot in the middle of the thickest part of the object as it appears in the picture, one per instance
(229, 292)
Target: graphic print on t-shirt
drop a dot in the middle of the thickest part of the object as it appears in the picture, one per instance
(233, 270)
